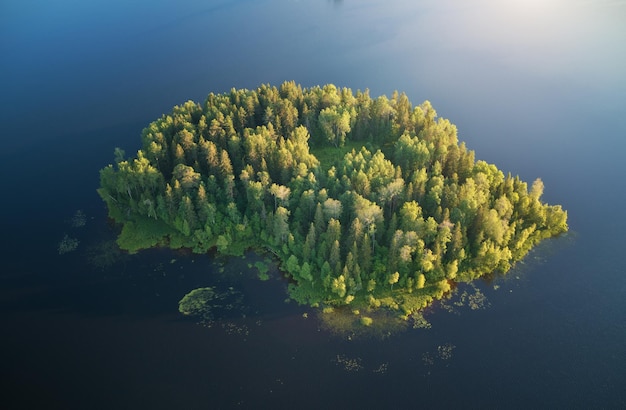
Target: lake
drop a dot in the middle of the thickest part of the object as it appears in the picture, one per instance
(535, 87)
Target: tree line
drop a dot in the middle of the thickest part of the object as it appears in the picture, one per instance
(369, 201)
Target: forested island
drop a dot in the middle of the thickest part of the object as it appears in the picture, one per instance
(363, 201)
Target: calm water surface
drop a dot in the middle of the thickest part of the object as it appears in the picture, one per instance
(535, 87)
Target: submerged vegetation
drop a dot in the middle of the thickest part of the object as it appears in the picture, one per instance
(104, 254)
(205, 302)
(67, 244)
(367, 202)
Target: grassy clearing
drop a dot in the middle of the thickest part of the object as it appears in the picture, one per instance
(329, 155)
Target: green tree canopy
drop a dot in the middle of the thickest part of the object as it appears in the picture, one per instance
(348, 192)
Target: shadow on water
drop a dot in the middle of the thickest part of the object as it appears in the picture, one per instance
(97, 279)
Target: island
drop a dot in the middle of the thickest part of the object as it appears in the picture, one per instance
(367, 202)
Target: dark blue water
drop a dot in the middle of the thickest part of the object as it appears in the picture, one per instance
(535, 87)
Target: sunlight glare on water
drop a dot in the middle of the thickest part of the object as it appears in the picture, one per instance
(573, 38)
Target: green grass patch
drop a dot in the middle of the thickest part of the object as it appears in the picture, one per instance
(329, 155)
(143, 233)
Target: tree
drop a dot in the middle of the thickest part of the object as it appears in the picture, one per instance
(292, 265)
(355, 235)
(329, 96)
(421, 281)
(361, 183)
(339, 286)
(305, 273)
(369, 214)
(403, 109)
(226, 166)
(308, 250)
(393, 279)
(389, 193)
(335, 257)
(335, 125)
(223, 242)
(332, 208)
(333, 231)
(493, 226)
(536, 190)
(188, 214)
(187, 177)
(365, 259)
(281, 224)
(281, 193)
(371, 285)
(320, 222)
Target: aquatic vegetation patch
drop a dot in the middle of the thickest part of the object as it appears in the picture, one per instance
(209, 303)
(353, 323)
(78, 220)
(419, 321)
(382, 368)
(233, 328)
(263, 268)
(471, 296)
(67, 244)
(474, 299)
(443, 352)
(428, 359)
(104, 254)
(349, 364)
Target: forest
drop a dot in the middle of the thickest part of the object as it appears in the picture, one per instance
(368, 202)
